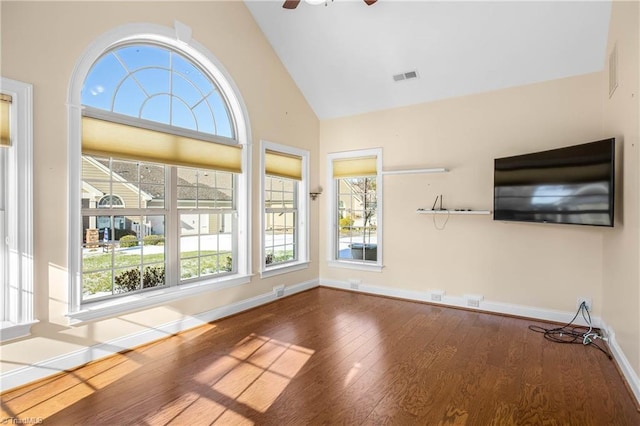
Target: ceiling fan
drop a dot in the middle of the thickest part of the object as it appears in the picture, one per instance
(292, 4)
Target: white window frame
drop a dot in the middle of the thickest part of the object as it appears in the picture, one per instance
(302, 219)
(332, 209)
(16, 270)
(180, 40)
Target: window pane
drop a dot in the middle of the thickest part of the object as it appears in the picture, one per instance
(181, 66)
(154, 80)
(189, 268)
(357, 219)
(208, 265)
(157, 109)
(205, 189)
(101, 82)
(139, 56)
(154, 276)
(127, 280)
(205, 244)
(280, 220)
(181, 115)
(97, 284)
(204, 118)
(128, 257)
(221, 115)
(186, 91)
(129, 98)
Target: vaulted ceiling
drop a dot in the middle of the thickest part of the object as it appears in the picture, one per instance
(343, 56)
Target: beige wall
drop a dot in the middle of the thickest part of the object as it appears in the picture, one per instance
(545, 266)
(621, 118)
(43, 51)
(535, 265)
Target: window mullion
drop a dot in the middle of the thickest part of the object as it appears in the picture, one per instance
(172, 228)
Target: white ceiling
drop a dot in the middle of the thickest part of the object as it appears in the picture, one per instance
(343, 56)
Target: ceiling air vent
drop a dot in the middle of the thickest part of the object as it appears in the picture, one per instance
(405, 76)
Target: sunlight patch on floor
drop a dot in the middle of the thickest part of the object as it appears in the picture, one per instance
(263, 369)
(70, 388)
(192, 405)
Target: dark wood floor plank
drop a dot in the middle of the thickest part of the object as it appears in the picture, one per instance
(334, 357)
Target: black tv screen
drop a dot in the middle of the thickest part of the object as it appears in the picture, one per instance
(572, 185)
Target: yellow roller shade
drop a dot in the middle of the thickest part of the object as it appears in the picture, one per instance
(5, 130)
(109, 139)
(283, 165)
(355, 167)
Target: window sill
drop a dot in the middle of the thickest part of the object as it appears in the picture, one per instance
(135, 302)
(283, 269)
(10, 331)
(372, 267)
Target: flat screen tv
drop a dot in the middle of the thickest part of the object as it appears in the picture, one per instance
(571, 185)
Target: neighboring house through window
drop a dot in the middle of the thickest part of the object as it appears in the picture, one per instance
(355, 209)
(285, 193)
(16, 210)
(161, 135)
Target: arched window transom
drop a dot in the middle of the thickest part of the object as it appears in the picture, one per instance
(111, 201)
(158, 84)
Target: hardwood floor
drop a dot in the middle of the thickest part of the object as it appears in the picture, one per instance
(334, 357)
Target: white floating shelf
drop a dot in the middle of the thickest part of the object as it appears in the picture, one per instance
(415, 171)
(475, 212)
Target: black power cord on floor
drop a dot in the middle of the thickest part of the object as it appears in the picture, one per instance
(576, 334)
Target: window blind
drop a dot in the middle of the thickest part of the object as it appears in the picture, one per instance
(5, 126)
(110, 139)
(283, 165)
(355, 167)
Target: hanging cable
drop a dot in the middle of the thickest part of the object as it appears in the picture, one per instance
(441, 228)
(570, 333)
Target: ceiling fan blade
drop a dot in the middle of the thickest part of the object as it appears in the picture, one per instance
(292, 4)
(370, 2)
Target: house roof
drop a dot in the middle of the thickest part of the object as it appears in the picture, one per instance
(152, 178)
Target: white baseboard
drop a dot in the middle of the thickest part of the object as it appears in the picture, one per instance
(40, 370)
(461, 302)
(625, 366)
(628, 372)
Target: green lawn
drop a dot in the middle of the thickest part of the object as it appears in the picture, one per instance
(97, 274)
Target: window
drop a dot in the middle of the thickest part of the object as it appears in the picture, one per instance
(355, 203)
(16, 209)
(160, 135)
(285, 199)
(110, 201)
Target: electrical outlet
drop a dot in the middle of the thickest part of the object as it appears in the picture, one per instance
(279, 290)
(586, 300)
(473, 300)
(437, 295)
(354, 284)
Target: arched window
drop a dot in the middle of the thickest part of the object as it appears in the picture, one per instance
(161, 125)
(158, 84)
(111, 201)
